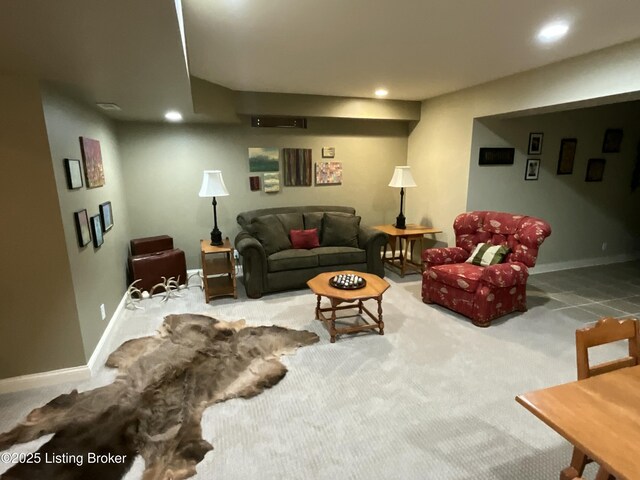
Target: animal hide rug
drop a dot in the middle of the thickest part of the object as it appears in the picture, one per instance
(155, 405)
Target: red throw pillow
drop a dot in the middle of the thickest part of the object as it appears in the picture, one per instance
(305, 238)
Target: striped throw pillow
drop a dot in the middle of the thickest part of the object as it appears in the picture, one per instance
(486, 254)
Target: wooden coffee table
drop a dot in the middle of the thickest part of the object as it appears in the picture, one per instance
(374, 289)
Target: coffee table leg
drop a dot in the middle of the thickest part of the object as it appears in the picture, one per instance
(332, 322)
(318, 308)
(360, 307)
(381, 323)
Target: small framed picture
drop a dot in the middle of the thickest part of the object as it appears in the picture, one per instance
(533, 169)
(595, 170)
(96, 231)
(328, 152)
(106, 216)
(82, 227)
(73, 172)
(612, 140)
(567, 156)
(535, 143)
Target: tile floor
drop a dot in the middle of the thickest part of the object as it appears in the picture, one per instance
(589, 293)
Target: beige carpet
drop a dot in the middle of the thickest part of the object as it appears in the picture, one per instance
(432, 398)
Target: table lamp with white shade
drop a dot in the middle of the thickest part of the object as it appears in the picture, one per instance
(402, 179)
(213, 186)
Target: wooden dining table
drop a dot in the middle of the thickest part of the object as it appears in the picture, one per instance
(599, 415)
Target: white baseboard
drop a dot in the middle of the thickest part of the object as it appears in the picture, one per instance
(73, 374)
(105, 335)
(25, 382)
(588, 262)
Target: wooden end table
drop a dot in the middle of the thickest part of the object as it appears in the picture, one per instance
(373, 290)
(404, 262)
(218, 270)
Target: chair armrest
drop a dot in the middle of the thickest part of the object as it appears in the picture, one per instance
(441, 256)
(505, 274)
(254, 263)
(372, 241)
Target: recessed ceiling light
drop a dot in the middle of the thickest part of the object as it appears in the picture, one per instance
(381, 92)
(552, 32)
(173, 116)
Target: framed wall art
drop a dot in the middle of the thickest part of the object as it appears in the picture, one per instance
(106, 216)
(612, 140)
(271, 182)
(96, 231)
(92, 158)
(567, 156)
(595, 170)
(297, 167)
(73, 172)
(83, 230)
(535, 143)
(254, 183)
(329, 173)
(533, 169)
(264, 159)
(328, 152)
(496, 156)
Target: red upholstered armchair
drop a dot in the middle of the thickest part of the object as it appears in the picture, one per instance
(484, 293)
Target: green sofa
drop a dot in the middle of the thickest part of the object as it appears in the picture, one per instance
(270, 264)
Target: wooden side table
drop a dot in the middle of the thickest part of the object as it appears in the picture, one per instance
(218, 270)
(404, 261)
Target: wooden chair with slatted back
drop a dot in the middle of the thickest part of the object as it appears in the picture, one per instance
(605, 330)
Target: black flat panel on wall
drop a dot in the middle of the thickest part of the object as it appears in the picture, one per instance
(496, 156)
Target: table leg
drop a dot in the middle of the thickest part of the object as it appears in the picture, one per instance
(604, 475)
(332, 322)
(360, 307)
(318, 308)
(381, 324)
(407, 243)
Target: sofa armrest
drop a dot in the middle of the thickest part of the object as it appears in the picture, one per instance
(372, 241)
(254, 263)
(505, 274)
(440, 256)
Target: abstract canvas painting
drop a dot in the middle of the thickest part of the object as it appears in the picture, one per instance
(328, 173)
(92, 158)
(264, 159)
(271, 182)
(297, 167)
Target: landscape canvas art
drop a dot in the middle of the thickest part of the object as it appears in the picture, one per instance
(264, 159)
(328, 173)
(271, 182)
(92, 158)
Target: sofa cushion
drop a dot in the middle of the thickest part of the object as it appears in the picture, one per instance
(464, 276)
(290, 221)
(340, 255)
(486, 254)
(270, 233)
(304, 238)
(292, 259)
(313, 220)
(340, 230)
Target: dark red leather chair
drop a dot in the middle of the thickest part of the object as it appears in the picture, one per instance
(152, 258)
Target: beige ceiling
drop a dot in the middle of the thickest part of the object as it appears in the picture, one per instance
(415, 48)
(130, 51)
(123, 51)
